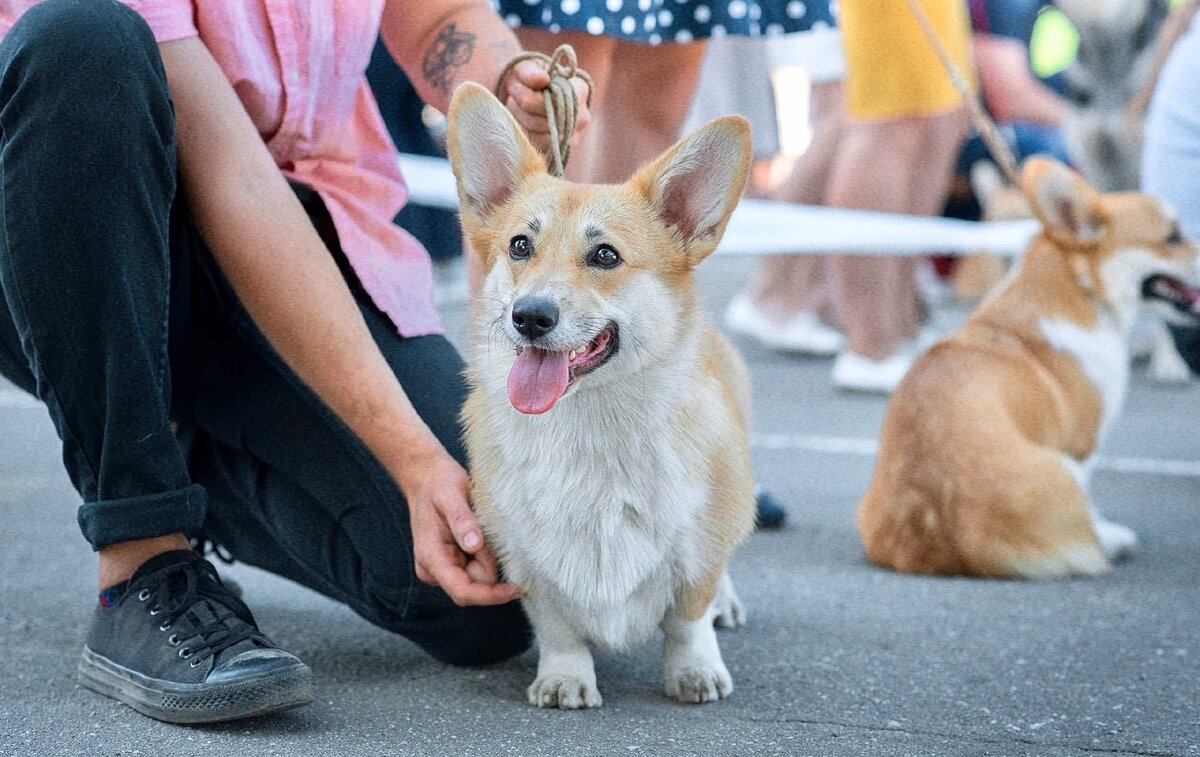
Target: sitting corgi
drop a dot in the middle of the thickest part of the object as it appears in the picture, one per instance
(985, 448)
(607, 420)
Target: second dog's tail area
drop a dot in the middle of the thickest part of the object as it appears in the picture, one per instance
(1027, 519)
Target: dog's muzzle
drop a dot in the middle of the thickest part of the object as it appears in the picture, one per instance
(1181, 296)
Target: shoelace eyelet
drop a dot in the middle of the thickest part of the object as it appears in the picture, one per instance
(143, 595)
(173, 639)
(196, 662)
(155, 610)
(185, 653)
(165, 625)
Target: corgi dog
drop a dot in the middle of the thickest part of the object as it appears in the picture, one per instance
(987, 442)
(606, 424)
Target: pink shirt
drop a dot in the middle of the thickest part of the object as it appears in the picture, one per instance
(299, 68)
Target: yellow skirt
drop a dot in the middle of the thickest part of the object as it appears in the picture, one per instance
(892, 70)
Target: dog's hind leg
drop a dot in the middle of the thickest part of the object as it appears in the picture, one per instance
(727, 609)
(1166, 364)
(1118, 542)
(692, 664)
(566, 676)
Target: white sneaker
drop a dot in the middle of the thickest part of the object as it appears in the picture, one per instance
(853, 372)
(804, 332)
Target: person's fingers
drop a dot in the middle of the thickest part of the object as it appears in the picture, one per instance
(532, 74)
(583, 114)
(461, 520)
(532, 125)
(526, 99)
(423, 575)
(479, 574)
(482, 567)
(458, 585)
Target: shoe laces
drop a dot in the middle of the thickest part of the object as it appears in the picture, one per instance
(207, 618)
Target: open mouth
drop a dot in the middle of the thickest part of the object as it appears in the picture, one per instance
(539, 377)
(1181, 296)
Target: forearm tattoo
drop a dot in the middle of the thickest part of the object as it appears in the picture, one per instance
(450, 51)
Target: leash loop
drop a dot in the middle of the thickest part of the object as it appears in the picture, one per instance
(562, 104)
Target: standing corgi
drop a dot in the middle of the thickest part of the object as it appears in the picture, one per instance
(987, 443)
(607, 420)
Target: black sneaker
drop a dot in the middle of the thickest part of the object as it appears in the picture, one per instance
(177, 645)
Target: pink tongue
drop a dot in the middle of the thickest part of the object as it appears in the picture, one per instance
(537, 379)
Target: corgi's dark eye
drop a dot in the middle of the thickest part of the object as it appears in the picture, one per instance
(604, 256)
(519, 247)
(1176, 236)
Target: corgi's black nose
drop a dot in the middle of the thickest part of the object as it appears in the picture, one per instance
(534, 316)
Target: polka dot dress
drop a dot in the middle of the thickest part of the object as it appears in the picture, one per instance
(656, 21)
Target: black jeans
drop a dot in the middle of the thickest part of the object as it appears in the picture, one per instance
(113, 313)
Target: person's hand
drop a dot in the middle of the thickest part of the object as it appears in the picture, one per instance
(448, 545)
(525, 101)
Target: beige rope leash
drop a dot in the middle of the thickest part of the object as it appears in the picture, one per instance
(983, 122)
(562, 104)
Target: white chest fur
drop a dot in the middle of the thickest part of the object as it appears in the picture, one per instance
(598, 501)
(1102, 355)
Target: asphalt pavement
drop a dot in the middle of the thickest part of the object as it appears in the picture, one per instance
(839, 657)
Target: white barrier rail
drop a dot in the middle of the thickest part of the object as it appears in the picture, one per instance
(761, 227)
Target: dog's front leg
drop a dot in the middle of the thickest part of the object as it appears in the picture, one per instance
(566, 677)
(692, 664)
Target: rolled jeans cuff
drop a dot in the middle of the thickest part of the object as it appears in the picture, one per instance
(111, 521)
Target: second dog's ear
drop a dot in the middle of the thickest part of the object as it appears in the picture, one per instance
(696, 185)
(489, 153)
(1068, 208)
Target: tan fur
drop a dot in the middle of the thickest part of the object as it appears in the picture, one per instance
(971, 477)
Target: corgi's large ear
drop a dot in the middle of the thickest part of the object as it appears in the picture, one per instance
(1068, 208)
(489, 153)
(696, 184)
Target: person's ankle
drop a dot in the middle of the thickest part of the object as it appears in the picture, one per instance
(873, 351)
(118, 562)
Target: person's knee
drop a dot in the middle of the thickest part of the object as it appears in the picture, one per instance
(460, 636)
(81, 47)
(477, 636)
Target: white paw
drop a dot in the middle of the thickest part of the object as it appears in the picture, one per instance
(699, 684)
(1116, 541)
(727, 609)
(564, 692)
(1168, 366)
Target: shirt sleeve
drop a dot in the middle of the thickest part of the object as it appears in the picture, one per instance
(168, 19)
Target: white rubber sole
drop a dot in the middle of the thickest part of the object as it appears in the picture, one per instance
(174, 702)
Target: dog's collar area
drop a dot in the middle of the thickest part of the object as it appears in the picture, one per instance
(1179, 295)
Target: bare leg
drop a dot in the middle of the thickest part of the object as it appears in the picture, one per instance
(786, 284)
(644, 105)
(119, 561)
(876, 295)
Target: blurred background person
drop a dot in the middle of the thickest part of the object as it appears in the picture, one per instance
(1171, 152)
(645, 59)
(786, 304)
(905, 124)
